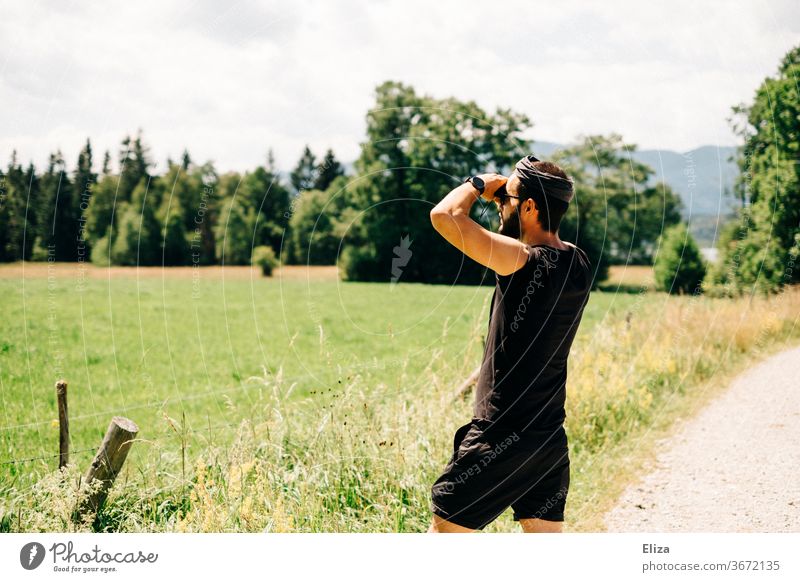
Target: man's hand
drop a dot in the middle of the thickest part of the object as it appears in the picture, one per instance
(492, 183)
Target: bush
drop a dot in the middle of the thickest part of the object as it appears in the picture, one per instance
(264, 257)
(360, 263)
(100, 250)
(679, 266)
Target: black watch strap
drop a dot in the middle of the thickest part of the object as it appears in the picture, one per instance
(477, 182)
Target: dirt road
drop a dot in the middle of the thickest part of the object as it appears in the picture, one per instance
(735, 467)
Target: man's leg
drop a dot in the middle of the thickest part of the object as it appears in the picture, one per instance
(441, 525)
(547, 499)
(534, 525)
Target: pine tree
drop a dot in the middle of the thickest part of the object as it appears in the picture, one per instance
(304, 174)
(84, 182)
(21, 187)
(106, 163)
(134, 166)
(327, 171)
(3, 216)
(56, 221)
(186, 161)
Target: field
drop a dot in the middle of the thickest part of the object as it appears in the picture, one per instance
(150, 346)
(629, 278)
(301, 403)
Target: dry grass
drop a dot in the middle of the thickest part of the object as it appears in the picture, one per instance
(34, 270)
(630, 276)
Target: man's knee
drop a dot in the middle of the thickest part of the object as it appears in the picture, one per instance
(535, 525)
(441, 525)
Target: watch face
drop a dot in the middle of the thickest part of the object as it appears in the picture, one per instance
(477, 182)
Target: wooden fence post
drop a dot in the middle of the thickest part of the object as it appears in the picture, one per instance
(63, 424)
(467, 384)
(108, 462)
(471, 380)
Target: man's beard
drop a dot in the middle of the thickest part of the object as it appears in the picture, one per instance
(510, 226)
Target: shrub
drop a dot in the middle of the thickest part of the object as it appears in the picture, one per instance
(679, 266)
(100, 250)
(264, 257)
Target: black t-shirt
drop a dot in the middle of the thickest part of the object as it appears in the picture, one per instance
(534, 317)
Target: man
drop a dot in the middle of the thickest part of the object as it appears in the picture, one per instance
(514, 450)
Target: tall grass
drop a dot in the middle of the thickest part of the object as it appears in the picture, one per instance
(361, 457)
(624, 373)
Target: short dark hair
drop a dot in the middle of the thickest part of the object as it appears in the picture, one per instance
(551, 210)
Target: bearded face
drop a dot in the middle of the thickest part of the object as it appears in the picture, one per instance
(507, 200)
(509, 221)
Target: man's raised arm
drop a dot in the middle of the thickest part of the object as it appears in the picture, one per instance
(451, 219)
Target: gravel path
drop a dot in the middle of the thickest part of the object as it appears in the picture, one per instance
(735, 467)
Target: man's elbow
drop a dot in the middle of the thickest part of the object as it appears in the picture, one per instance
(439, 217)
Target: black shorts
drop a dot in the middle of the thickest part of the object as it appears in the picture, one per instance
(490, 471)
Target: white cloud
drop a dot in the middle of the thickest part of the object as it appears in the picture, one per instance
(229, 80)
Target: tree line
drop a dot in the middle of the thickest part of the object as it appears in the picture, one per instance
(189, 214)
(416, 149)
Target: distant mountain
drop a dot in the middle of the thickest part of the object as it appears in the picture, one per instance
(545, 149)
(702, 177)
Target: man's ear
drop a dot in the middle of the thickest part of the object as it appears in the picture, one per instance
(529, 206)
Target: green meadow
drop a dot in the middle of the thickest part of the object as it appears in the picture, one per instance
(158, 346)
(311, 404)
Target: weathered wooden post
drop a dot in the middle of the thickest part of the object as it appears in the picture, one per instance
(107, 463)
(471, 380)
(467, 384)
(63, 424)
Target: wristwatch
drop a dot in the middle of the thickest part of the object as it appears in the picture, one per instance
(476, 181)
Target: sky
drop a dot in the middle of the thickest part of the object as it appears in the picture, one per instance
(230, 80)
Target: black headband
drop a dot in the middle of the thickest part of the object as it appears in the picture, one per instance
(532, 179)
